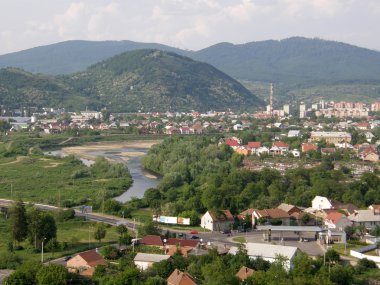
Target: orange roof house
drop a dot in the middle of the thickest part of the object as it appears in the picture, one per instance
(84, 261)
(244, 273)
(152, 240)
(180, 278)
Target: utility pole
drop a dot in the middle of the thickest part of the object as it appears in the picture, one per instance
(11, 191)
(42, 251)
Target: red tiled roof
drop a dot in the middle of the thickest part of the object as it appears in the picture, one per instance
(280, 144)
(180, 278)
(244, 273)
(152, 240)
(273, 213)
(232, 142)
(334, 217)
(92, 258)
(182, 242)
(221, 216)
(254, 144)
(309, 147)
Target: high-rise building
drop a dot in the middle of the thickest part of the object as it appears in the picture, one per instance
(286, 109)
(302, 110)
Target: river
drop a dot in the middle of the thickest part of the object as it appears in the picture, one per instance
(142, 179)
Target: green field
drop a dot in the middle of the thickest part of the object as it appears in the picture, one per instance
(50, 180)
(77, 234)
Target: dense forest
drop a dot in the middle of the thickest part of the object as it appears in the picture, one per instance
(148, 80)
(198, 174)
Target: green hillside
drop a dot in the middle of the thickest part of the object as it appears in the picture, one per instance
(148, 80)
(299, 67)
(20, 89)
(154, 80)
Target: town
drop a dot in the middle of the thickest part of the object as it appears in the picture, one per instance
(338, 136)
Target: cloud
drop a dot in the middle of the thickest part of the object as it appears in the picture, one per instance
(188, 24)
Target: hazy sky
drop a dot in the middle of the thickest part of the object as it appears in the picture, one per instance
(190, 24)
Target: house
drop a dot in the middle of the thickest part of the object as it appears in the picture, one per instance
(243, 150)
(369, 218)
(279, 148)
(328, 150)
(294, 134)
(330, 137)
(290, 209)
(269, 252)
(336, 220)
(323, 203)
(306, 147)
(244, 273)
(193, 243)
(217, 220)
(271, 215)
(85, 262)
(180, 278)
(152, 240)
(253, 146)
(238, 127)
(243, 215)
(233, 143)
(145, 260)
(369, 136)
(262, 150)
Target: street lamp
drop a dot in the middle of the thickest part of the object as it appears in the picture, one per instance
(42, 251)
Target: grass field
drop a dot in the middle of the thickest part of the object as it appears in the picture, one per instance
(50, 180)
(78, 234)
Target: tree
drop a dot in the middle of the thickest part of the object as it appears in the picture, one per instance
(52, 274)
(149, 227)
(34, 226)
(49, 228)
(25, 274)
(52, 245)
(124, 237)
(100, 232)
(18, 221)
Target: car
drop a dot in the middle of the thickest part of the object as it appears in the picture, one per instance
(67, 258)
(194, 232)
(194, 237)
(226, 232)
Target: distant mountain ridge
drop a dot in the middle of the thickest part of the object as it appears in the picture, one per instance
(149, 80)
(301, 68)
(291, 60)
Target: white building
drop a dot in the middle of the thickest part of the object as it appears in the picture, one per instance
(217, 220)
(321, 203)
(286, 109)
(302, 110)
(269, 252)
(145, 260)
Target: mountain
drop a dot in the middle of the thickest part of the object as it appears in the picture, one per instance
(151, 80)
(155, 80)
(71, 56)
(294, 60)
(301, 68)
(20, 89)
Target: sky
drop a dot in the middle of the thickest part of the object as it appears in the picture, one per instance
(186, 24)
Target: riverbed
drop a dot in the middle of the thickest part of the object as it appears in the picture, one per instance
(129, 153)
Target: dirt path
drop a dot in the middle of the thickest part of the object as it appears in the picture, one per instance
(18, 159)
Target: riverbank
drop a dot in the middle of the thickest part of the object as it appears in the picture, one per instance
(82, 150)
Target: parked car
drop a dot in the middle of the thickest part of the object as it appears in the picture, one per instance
(194, 232)
(226, 232)
(67, 258)
(194, 237)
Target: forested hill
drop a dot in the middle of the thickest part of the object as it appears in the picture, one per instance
(71, 56)
(150, 80)
(293, 60)
(20, 89)
(154, 80)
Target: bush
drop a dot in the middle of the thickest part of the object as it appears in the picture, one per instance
(364, 265)
(110, 252)
(9, 261)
